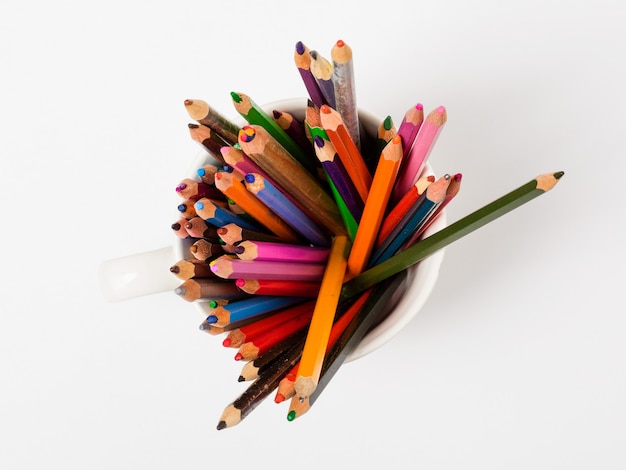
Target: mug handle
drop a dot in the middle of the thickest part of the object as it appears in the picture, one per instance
(138, 274)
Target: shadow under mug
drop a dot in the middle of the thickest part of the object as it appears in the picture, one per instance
(148, 272)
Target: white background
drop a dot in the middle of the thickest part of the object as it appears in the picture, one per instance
(515, 362)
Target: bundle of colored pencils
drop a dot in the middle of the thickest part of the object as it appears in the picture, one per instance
(298, 231)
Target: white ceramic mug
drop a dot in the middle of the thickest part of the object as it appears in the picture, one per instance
(149, 272)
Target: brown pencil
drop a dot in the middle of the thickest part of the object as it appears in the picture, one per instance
(191, 268)
(204, 249)
(210, 140)
(232, 234)
(209, 288)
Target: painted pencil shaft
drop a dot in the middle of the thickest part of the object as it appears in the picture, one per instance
(377, 200)
(227, 267)
(323, 317)
(269, 251)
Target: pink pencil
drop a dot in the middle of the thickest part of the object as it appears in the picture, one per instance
(416, 159)
(268, 251)
(228, 267)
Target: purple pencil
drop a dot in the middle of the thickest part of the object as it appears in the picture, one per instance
(302, 58)
(229, 267)
(410, 126)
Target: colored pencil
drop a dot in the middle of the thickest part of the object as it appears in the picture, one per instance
(286, 387)
(203, 249)
(198, 227)
(255, 115)
(186, 208)
(302, 59)
(323, 317)
(200, 111)
(269, 251)
(209, 140)
(228, 267)
(294, 128)
(261, 343)
(218, 216)
(462, 227)
(312, 122)
(233, 234)
(292, 177)
(179, 228)
(346, 149)
(424, 142)
(238, 336)
(248, 308)
(190, 189)
(412, 221)
(337, 174)
(191, 268)
(410, 126)
(279, 287)
(236, 190)
(386, 131)
(284, 205)
(344, 89)
(375, 308)
(322, 70)
(207, 288)
(206, 172)
(453, 189)
(253, 369)
(379, 194)
(260, 389)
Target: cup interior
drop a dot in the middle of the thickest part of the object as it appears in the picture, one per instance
(421, 277)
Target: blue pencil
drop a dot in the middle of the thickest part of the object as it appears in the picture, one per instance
(251, 308)
(271, 196)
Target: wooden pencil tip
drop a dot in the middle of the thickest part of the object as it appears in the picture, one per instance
(279, 398)
(313, 54)
(192, 125)
(221, 425)
(291, 415)
(340, 43)
(227, 342)
(241, 378)
(188, 102)
(238, 356)
(235, 96)
(276, 113)
(300, 47)
(558, 174)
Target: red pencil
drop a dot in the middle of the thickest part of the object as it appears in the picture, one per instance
(279, 287)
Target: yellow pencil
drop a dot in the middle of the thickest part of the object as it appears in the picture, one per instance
(374, 210)
(323, 317)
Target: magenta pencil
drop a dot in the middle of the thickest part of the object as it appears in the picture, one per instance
(229, 267)
(268, 251)
(410, 126)
(416, 159)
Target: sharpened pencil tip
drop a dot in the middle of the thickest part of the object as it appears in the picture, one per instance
(276, 114)
(279, 398)
(180, 290)
(235, 97)
(221, 425)
(313, 54)
(238, 356)
(291, 415)
(176, 226)
(558, 174)
(241, 379)
(227, 342)
(340, 43)
(174, 269)
(188, 102)
(300, 47)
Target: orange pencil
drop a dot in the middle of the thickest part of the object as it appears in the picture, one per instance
(380, 191)
(347, 150)
(323, 317)
(236, 190)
